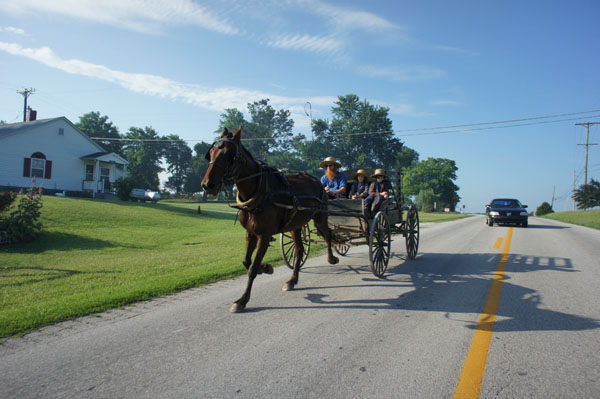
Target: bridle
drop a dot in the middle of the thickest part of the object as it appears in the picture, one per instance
(232, 170)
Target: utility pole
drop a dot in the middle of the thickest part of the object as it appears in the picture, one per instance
(587, 144)
(25, 93)
(574, 189)
(552, 204)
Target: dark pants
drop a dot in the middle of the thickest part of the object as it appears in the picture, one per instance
(372, 203)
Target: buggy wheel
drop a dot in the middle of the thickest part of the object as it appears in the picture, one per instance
(412, 232)
(380, 244)
(288, 248)
(341, 249)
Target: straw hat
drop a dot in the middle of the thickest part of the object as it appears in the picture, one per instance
(379, 172)
(330, 160)
(361, 172)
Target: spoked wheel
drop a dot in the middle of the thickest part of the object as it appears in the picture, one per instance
(288, 247)
(380, 244)
(412, 232)
(341, 249)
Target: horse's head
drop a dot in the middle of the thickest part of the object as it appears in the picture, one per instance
(222, 157)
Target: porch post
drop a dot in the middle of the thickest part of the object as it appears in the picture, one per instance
(96, 176)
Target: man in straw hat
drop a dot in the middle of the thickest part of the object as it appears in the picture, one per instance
(360, 188)
(335, 182)
(378, 192)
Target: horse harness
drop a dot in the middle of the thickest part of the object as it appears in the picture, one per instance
(266, 176)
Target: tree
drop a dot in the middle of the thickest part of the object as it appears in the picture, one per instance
(362, 134)
(178, 156)
(144, 152)
(544, 209)
(268, 131)
(95, 125)
(426, 199)
(437, 174)
(198, 166)
(587, 195)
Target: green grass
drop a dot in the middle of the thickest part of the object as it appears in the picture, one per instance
(589, 218)
(96, 255)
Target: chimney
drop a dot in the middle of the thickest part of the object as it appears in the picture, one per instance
(31, 114)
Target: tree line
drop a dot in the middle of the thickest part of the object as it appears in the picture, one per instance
(359, 135)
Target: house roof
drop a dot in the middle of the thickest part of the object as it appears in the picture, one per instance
(22, 127)
(105, 157)
(13, 128)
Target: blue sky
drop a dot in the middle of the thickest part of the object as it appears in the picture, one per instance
(177, 65)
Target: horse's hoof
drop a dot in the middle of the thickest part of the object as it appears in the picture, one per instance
(333, 260)
(288, 287)
(268, 269)
(237, 308)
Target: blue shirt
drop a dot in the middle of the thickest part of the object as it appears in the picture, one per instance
(336, 184)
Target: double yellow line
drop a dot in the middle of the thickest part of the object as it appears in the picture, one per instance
(471, 377)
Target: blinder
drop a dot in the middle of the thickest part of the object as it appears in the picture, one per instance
(219, 144)
(229, 172)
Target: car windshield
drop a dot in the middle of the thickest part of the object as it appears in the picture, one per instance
(506, 203)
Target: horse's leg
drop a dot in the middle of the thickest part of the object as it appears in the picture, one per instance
(323, 228)
(250, 247)
(299, 253)
(253, 270)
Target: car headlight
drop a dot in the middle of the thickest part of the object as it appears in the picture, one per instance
(494, 213)
(524, 214)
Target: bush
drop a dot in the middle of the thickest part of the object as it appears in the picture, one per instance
(543, 209)
(123, 186)
(6, 200)
(22, 224)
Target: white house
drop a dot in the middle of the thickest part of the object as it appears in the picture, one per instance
(58, 155)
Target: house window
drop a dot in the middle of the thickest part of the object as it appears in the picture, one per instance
(89, 172)
(37, 166)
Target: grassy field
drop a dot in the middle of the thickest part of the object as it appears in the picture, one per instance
(589, 218)
(95, 255)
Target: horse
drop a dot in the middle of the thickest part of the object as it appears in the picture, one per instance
(269, 203)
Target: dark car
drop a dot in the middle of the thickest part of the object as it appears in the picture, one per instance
(506, 210)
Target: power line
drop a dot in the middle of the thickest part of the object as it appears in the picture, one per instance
(485, 124)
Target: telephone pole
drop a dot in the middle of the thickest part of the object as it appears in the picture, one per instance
(587, 144)
(25, 93)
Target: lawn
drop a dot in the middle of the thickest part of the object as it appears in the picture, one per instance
(95, 255)
(590, 218)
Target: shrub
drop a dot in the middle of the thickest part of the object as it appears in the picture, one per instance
(6, 200)
(123, 186)
(543, 209)
(22, 224)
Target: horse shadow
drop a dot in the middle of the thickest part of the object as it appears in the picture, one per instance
(456, 284)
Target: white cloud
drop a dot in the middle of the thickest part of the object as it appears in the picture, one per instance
(210, 98)
(147, 16)
(401, 74)
(349, 19)
(450, 103)
(307, 43)
(13, 30)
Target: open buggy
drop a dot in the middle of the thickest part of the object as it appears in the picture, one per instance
(351, 226)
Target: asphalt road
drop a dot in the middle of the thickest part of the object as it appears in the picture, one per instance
(344, 333)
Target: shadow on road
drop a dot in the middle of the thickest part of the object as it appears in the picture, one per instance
(453, 284)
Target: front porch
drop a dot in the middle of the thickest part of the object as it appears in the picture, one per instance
(102, 169)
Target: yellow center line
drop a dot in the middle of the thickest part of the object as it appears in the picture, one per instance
(498, 243)
(471, 377)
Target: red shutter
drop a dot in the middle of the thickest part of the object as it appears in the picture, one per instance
(27, 167)
(48, 170)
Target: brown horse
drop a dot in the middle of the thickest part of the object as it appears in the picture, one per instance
(269, 203)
